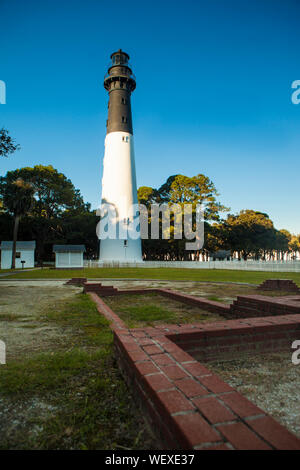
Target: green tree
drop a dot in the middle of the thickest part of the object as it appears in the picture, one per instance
(80, 228)
(249, 232)
(54, 196)
(294, 245)
(18, 198)
(197, 189)
(54, 193)
(283, 238)
(147, 195)
(7, 144)
(180, 189)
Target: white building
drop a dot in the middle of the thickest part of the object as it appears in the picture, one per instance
(24, 252)
(68, 256)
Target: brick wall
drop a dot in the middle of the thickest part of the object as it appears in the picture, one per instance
(252, 335)
(246, 306)
(279, 284)
(187, 405)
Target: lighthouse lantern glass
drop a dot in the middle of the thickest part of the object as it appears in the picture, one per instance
(120, 59)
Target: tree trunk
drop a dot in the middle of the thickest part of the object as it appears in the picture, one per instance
(15, 236)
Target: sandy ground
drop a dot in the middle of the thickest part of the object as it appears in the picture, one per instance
(21, 309)
(16, 414)
(22, 304)
(26, 331)
(271, 381)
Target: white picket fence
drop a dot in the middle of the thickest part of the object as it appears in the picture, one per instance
(271, 266)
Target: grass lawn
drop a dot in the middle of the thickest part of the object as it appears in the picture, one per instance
(152, 309)
(66, 392)
(3, 271)
(212, 275)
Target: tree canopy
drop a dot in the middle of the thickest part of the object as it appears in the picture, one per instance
(199, 189)
(249, 232)
(180, 190)
(54, 193)
(7, 144)
(58, 213)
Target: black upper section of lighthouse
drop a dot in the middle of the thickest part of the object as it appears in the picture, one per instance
(119, 82)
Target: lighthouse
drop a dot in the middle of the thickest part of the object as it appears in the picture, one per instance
(119, 190)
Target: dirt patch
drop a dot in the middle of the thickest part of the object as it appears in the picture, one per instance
(60, 387)
(23, 418)
(21, 316)
(271, 381)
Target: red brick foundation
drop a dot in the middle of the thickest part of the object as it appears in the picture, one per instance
(221, 341)
(245, 306)
(260, 306)
(209, 305)
(187, 405)
(76, 281)
(286, 285)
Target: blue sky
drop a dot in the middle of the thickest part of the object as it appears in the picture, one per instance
(213, 93)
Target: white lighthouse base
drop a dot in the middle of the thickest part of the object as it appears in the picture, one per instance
(119, 191)
(115, 250)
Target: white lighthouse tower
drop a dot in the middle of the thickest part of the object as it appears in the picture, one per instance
(119, 190)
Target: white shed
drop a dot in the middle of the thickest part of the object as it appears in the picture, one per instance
(68, 256)
(24, 252)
